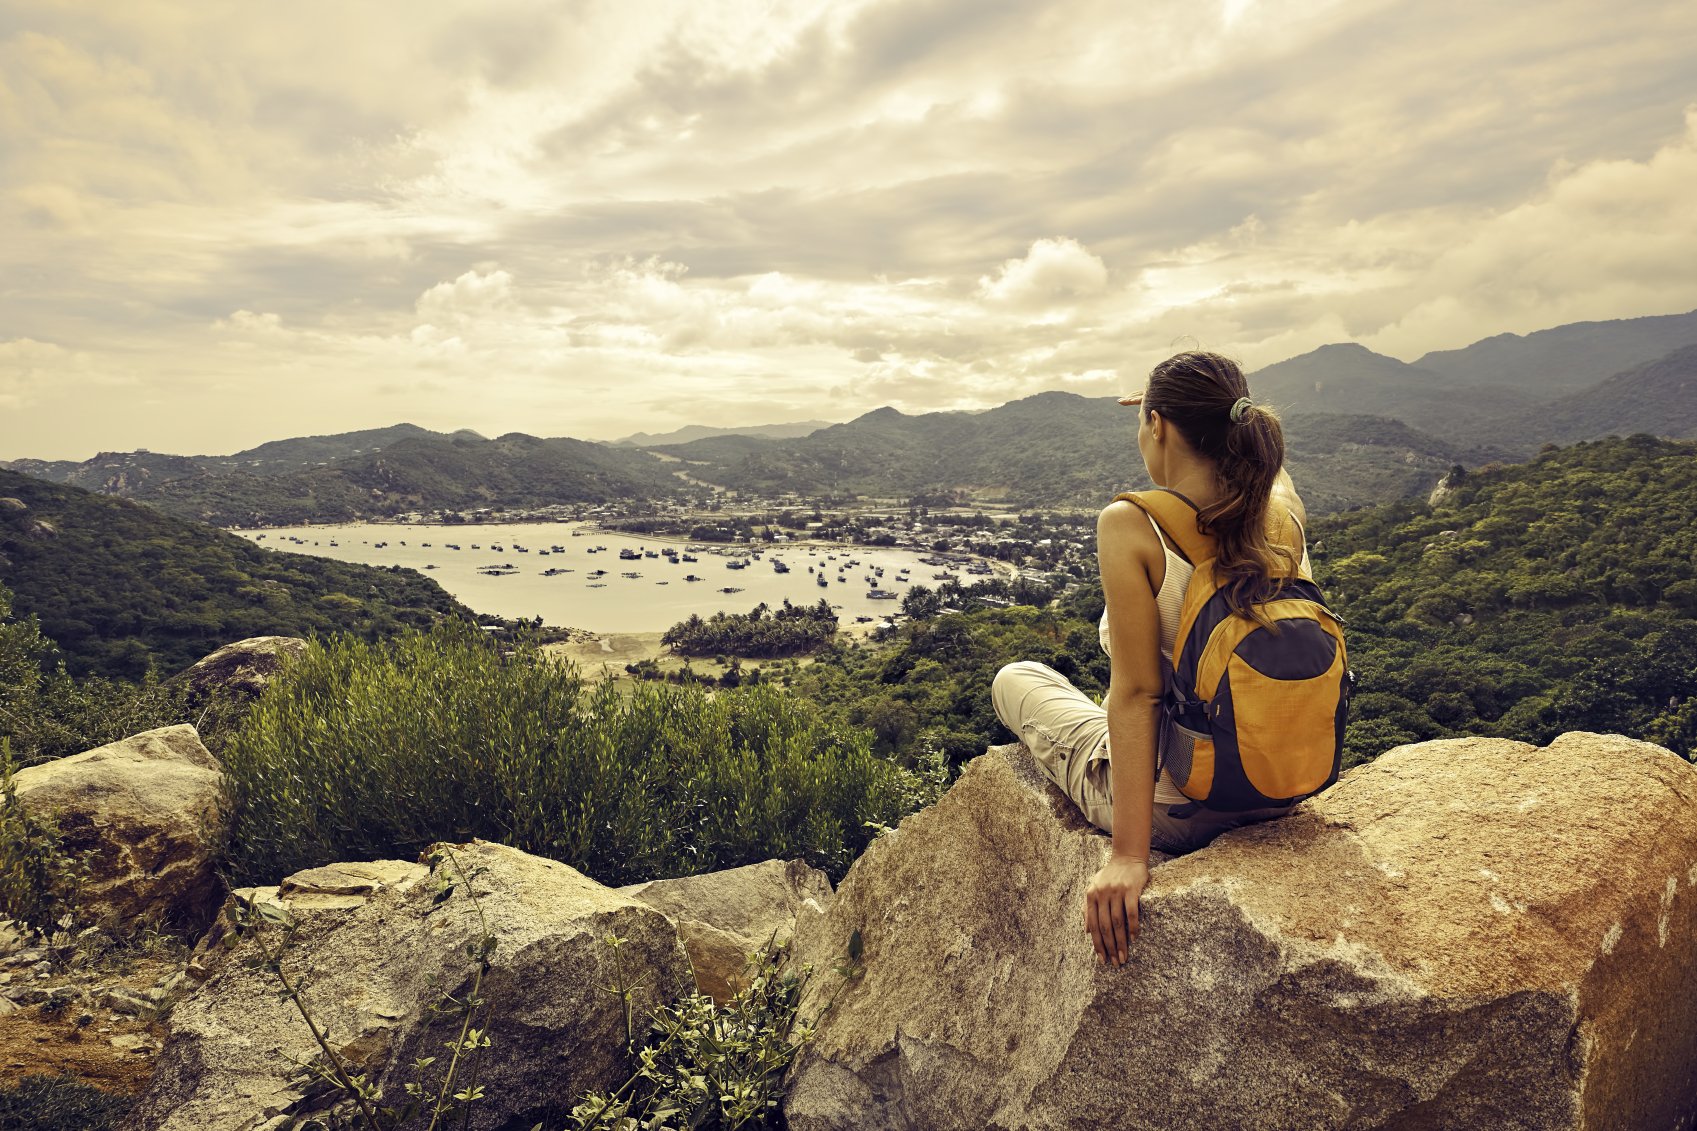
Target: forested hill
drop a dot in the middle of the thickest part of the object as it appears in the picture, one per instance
(116, 584)
(1528, 600)
(126, 473)
(379, 472)
(1055, 448)
(424, 473)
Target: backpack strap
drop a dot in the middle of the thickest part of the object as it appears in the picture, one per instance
(1176, 516)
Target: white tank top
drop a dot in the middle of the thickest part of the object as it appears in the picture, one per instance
(1170, 602)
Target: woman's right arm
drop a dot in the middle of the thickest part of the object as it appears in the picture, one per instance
(1125, 543)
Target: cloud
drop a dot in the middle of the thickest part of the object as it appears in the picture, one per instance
(1054, 271)
(27, 367)
(619, 216)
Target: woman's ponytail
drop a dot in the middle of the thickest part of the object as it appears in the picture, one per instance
(1206, 397)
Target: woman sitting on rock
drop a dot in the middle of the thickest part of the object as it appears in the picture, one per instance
(1203, 439)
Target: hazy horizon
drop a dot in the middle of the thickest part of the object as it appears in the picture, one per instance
(229, 225)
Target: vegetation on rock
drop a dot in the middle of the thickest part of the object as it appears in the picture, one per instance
(38, 878)
(59, 1103)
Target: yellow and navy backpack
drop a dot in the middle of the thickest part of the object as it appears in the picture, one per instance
(1266, 709)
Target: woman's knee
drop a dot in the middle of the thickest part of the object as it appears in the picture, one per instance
(1009, 687)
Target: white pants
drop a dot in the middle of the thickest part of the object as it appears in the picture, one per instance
(1067, 734)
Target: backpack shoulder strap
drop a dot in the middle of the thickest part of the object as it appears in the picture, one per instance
(1176, 516)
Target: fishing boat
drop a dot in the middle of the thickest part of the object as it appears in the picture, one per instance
(881, 595)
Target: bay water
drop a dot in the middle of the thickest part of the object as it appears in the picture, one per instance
(656, 598)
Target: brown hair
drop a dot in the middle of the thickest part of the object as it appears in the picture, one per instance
(1198, 393)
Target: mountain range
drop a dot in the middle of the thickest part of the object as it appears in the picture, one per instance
(701, 432)
(1361, 428)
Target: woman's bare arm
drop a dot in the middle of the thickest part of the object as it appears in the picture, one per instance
(1124, 545)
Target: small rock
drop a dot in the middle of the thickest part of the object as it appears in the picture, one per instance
(120, 1002)
(128, 1042)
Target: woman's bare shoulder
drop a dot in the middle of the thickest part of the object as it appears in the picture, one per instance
(1125, 539)
(1284, 493)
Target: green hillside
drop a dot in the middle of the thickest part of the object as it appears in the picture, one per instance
(276, 457)
(1532, 599)
(117, 585)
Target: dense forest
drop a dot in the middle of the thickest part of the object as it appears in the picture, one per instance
(120, 587)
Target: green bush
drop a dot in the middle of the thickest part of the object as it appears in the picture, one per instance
(38, 880)
(59, 1103)
(377, 750)
(717, 1068)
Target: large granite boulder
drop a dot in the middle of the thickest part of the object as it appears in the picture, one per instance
(723, 917)
(1464, 933)
(375, 948)
(242, 670)
(145, 810)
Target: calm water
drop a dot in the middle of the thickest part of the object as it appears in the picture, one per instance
(651, 602)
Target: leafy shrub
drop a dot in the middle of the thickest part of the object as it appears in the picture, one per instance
(711, 1067)
(38, 879)
(59, 1103)
(377, 750)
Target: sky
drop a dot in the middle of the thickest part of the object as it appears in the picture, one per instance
(223, 223)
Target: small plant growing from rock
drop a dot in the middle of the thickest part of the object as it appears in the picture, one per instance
(39, 880)
(357, 1098)
(712, 1067)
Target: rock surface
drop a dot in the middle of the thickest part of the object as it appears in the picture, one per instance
(725, 916)
(146, 809)
(376, 950)
(1463, 933)
(242, 669)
